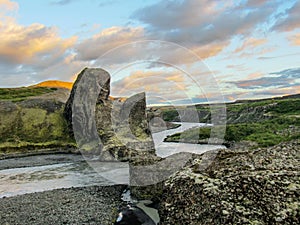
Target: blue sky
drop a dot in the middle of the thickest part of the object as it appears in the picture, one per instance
(181, 51)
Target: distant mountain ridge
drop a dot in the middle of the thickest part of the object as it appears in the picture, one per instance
(55, 84)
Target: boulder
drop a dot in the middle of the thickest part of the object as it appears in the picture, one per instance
(32, 124)
(110, 127)
(239, 187)
(90, 87)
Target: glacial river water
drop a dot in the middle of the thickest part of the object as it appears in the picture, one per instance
(64, 171)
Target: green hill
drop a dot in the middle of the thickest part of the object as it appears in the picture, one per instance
(264, 122)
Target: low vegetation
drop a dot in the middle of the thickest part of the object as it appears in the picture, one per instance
(281, 124)
(19, 94)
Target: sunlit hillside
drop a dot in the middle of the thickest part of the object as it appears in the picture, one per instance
(55, 84)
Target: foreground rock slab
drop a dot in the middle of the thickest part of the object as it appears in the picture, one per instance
(259, 186)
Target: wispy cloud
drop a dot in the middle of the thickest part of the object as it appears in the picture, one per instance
(255, 3)
(238, 67)
(278, 56)
(255, 75)
(295, 39)
(282, 79)
(23, 44)
(290, 20)
(182, 23)
(8, 5)
(250, 43)
(162, 83)
(106, 40)
(107, 3)
(62, 2)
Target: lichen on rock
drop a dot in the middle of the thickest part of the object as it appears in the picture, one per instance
(239, 187)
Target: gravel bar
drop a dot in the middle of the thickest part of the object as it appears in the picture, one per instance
(83, 205)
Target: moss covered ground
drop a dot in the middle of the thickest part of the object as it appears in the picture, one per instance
(28, 124)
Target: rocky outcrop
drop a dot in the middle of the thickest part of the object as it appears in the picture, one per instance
(251, 114)
(33, 123)
(260, 186)
(90, 87)
(110, 128)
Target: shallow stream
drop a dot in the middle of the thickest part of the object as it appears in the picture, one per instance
(47, 172)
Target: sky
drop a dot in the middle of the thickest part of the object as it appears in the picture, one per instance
(178, 52)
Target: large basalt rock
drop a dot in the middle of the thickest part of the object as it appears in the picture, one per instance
(123, 128)
(90, 87)
(110, 128)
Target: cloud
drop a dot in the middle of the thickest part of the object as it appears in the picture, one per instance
(252, 46)
(25, 44)
(179, 14)
(206, 34)
(161, 86)
(238, 67)
(15, 75)
(256, 94)
(8, 5)
(255, 3)
(107, 3)
(124, 45)
(62, 2)
(33, 53)
(210, 50)
(292, 73)
(254, 75)
(295, 39)
(291, 19)
(179, 55)
(182, 23)
(164, 82)
(274, 92)
(107, 40)
(282, 79)
(278, 56)
(250, 43)
(165, 85)
(197, 29)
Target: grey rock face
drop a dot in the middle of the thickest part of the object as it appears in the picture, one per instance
(115, 129)
(50, 106)
(7, 107)
(240, 187)
(90, 87)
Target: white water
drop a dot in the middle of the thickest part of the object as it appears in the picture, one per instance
(23, 180)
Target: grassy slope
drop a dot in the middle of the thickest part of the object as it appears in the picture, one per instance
(20, 94)
(283, 124)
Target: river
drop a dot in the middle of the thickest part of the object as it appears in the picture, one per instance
(48, 172)
(165, 149)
